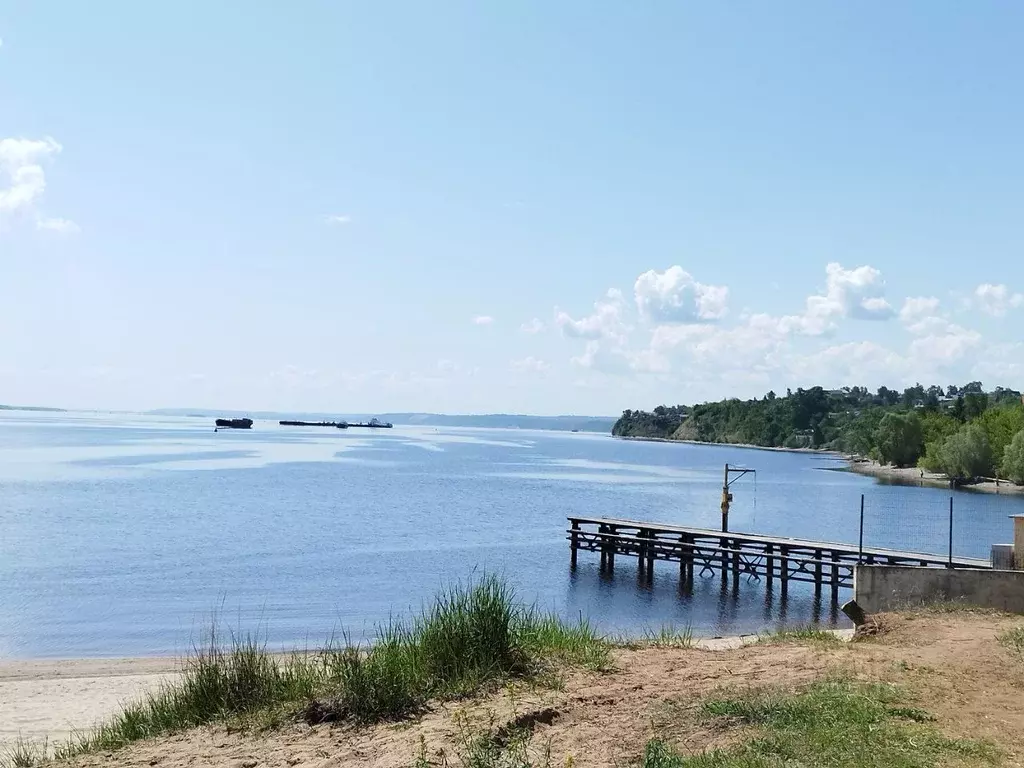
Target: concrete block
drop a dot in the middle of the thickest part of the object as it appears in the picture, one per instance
(891, 588)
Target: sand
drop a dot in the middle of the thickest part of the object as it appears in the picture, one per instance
(952, 664)
(47, 700)
(915, 476)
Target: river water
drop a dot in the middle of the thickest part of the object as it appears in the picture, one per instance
(123, 535)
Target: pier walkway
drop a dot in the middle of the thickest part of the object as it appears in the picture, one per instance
(703, 552)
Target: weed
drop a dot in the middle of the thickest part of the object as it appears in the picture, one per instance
(470, 637)
(804, 636)
(23, 754)
(669, 637)
(1014, 640)
(835, 722)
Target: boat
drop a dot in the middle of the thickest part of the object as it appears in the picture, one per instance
(338, 424)
(233, 424)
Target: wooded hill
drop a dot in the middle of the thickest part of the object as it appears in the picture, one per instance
(962, 431)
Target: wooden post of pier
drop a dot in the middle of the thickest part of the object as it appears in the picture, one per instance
(611, 548)
(650, 555)
(736, 562)
(769, 562)
(641, 553)
(784, 568)
(601, 530)
(817, 573)
(574, 543)
(835, 575)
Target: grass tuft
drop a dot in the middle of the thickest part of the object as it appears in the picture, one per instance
(469, 637)
(804, 636)
(669, 637)
(835, 722)
(22, 754)
(1014, 640)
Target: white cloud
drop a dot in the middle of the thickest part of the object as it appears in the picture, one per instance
(855, 293)
(483, 320)
(533, 326)
(529, 364)
(996, 300)
(22, 178)
(673, 296)
(917, 307)
(63, 226)
(605, 322)
(338, 219)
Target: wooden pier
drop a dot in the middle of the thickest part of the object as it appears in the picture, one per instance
(703, 552)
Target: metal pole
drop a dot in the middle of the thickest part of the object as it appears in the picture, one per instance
(950, 531)
(860, 548)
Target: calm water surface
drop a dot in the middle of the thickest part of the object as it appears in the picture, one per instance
(119, 536)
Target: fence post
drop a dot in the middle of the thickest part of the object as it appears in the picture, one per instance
(860, 548)
(950, 564)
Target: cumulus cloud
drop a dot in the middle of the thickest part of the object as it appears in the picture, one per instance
(673, 296)
(856, 293)
(533, 326)
(529, 365)
(917, 307)
(996, 300)
(22, 177)
(606, 321)
(483, 320)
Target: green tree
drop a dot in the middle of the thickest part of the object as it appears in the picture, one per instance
(899, 439)
(1000, 425)
(975, 404)
(1013, 459)
(962, 456)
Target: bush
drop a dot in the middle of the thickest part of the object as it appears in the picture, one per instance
(962, 456)
(1013, 459)
(899, 439)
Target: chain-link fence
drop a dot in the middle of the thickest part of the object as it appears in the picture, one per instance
(956, 526)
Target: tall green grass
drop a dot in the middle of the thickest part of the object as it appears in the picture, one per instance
(471, 636)
(834, 722)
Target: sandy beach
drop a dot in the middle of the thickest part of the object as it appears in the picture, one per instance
(915, 476)
(49, 700)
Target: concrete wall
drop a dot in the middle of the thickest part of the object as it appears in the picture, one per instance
(891, 587)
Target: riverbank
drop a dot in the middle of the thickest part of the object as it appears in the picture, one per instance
(746, 446)
(670, 695)
(46, 701)
(916, 476)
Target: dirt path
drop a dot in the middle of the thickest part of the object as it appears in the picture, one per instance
(952, 663)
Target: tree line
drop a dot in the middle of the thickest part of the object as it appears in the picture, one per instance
(964, 432)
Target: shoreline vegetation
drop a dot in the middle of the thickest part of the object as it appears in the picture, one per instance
(957, 437)
(480, 681)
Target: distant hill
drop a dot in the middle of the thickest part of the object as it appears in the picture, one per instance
(31, 408)
(490, 420)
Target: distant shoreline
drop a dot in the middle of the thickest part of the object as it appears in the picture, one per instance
(909, 476)
(747, 446)
(915, 476)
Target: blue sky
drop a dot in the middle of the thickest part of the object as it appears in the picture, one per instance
(541, 207)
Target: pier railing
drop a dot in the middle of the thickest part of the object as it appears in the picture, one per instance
(702, 552)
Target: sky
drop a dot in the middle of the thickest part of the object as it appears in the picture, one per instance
(572, 207)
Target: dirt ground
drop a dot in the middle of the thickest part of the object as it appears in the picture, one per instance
(951, 663)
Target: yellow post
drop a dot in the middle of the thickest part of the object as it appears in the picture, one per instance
(726, 498)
